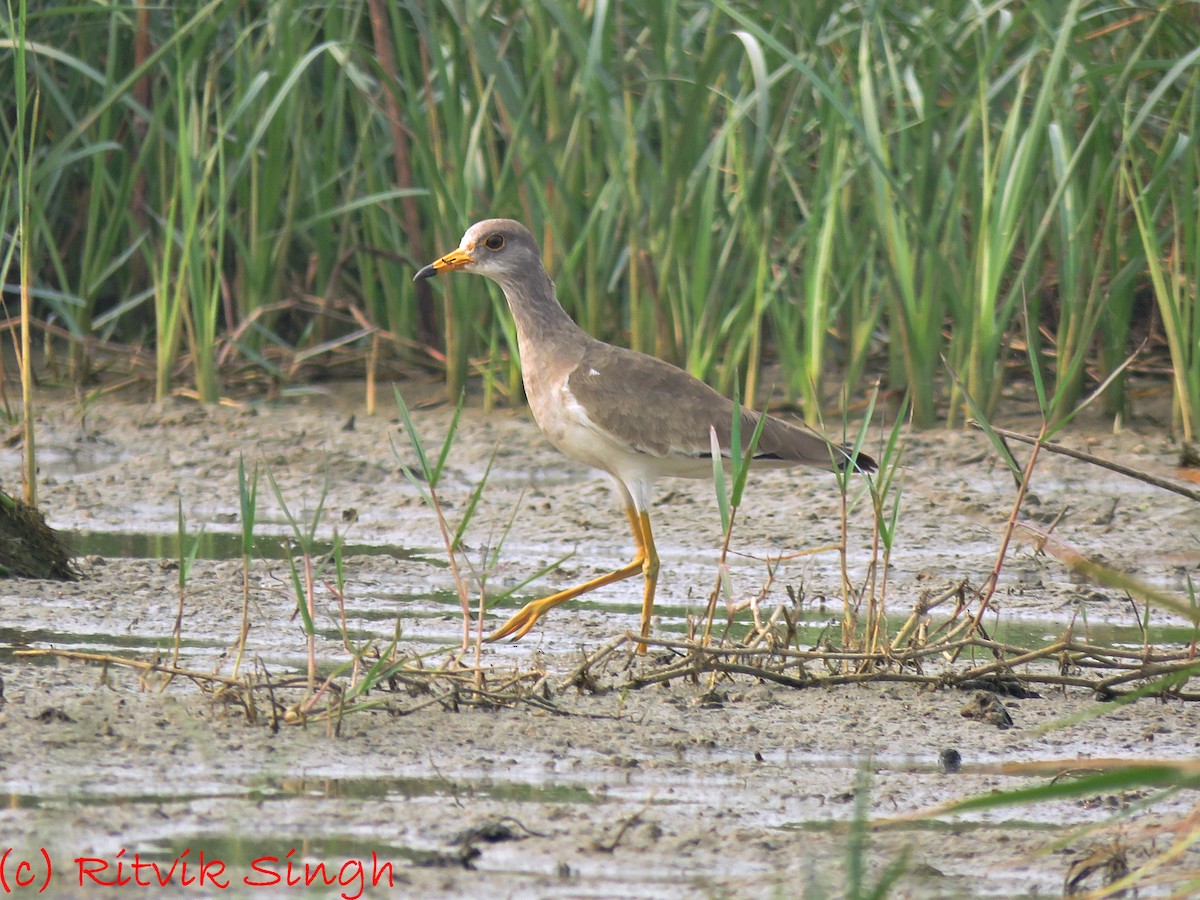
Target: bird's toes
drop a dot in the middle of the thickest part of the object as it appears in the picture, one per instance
(516, 627)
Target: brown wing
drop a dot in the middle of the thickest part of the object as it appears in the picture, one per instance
(658, 409)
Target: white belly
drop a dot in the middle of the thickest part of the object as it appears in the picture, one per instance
(567, 425)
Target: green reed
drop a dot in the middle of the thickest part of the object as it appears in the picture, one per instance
(845, 190)
(24, 242)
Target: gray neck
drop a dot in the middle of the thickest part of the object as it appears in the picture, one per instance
(540, 318)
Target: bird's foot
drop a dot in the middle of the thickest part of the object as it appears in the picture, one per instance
(518, 626)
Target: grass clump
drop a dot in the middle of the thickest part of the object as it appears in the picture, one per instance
(850, 190)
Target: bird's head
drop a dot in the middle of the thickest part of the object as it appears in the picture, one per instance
(501, 249)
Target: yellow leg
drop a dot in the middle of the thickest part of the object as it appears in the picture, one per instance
(650, 571)
(645, 560)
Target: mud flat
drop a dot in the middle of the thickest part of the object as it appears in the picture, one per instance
(739, 787)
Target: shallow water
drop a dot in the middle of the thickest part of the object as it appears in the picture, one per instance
(209, 544)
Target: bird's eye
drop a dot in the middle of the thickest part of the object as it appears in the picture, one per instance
(494, 242)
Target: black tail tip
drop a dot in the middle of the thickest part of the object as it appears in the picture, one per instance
(858, 462)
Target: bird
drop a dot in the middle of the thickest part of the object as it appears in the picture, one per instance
(634, 416)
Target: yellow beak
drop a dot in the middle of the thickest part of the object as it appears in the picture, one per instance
(455, 259)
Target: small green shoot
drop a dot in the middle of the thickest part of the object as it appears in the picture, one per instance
(857, 853)
(304, 576)
(852, 597)
(739, 460)
(886, 494)
(248, 500)
(426, 480)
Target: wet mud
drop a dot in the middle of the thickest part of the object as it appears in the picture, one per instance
(682, 790)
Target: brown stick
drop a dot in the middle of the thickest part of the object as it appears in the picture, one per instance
(1098, 461)
(108, 659)
(985, 592)
(412, 216)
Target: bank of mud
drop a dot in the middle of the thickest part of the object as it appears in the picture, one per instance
(675, 790)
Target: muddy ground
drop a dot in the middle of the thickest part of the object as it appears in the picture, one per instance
(674, 791)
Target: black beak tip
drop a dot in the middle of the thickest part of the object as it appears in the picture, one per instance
(427, 272)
